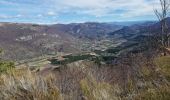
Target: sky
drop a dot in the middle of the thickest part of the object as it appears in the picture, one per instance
(76, 11)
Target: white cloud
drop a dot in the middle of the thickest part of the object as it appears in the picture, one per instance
(106, 7)
(70, 9)
(51, 13)
(7, 2)
(39, 15)
(19, 15)
(10, 16)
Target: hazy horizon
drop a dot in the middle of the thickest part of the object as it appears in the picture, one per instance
(128, 21)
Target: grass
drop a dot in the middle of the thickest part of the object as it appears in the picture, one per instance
(70, 84)
(89, 83)
(24, 85)
(162, 93)
(5, 66)
(163, 64)
(156, 87)
(93, 90)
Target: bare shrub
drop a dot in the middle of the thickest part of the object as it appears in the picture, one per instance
(24, 85)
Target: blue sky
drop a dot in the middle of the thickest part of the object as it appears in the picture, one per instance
(69, 11)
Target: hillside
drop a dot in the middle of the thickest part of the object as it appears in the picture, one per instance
(27, 41)
(23, 41)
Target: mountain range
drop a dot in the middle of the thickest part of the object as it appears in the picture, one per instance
(24, 41)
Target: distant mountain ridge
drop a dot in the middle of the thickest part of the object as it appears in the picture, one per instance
(22, 41)
(141, 29)
(130, 23)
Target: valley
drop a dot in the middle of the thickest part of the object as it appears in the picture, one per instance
(33, 45)
(39, 40)
(89, 58)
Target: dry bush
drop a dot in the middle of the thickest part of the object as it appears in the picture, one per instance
(93, 90)
(139, 76)
(147, 79)
(162, 93)
(68, 79)
(65, 83)
(24, 85)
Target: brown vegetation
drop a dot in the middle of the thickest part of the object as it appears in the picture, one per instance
(136, 78)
